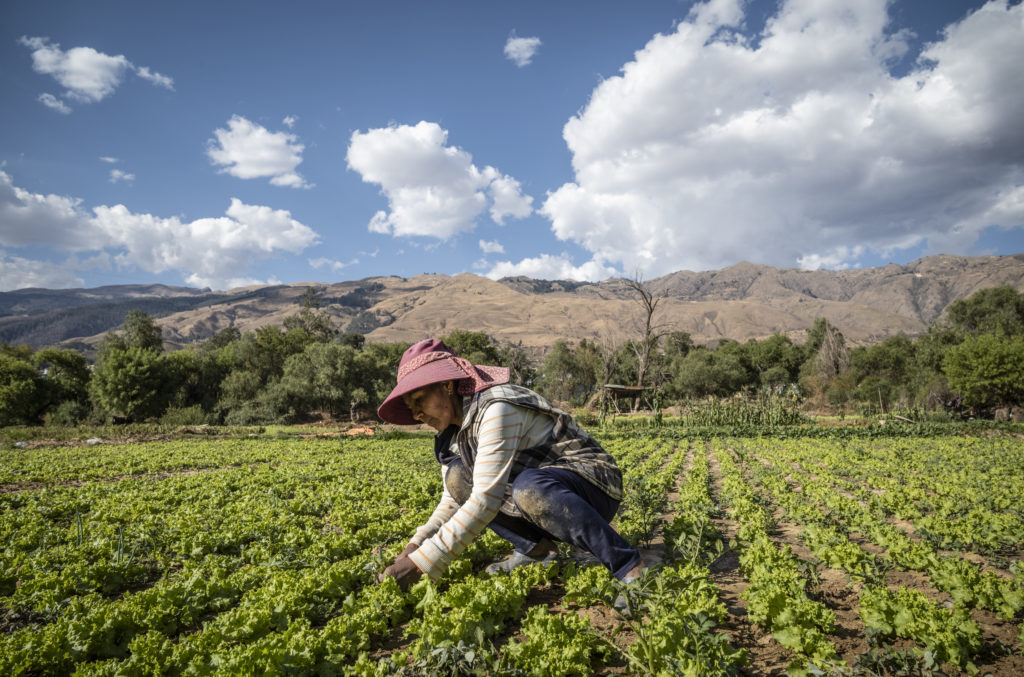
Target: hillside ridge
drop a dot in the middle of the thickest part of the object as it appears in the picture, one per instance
(740, 302)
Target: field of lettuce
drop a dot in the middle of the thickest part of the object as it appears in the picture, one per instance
(257, 555)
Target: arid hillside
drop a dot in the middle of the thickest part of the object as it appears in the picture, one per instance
(740, 302)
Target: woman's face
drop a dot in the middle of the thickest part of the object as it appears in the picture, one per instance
(431, 405)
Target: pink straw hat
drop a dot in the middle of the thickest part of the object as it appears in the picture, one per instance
(431, 361)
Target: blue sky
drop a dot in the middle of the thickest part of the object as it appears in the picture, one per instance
(233, 143)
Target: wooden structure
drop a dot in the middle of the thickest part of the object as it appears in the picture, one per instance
(616, 392)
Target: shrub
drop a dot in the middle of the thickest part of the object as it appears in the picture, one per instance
(68, 413)
(584, 416)
(193, 415)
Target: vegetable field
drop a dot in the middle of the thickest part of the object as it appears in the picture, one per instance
(859, 556)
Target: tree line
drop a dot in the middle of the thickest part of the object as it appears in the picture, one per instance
(972, 358)
(969, 360)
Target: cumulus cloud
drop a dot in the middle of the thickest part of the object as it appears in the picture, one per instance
(117, 175)
(28, 218)
(433, 189)
(87, 75)
(491, 247)
(508, 200)
(521, 51)
(250, 151)
(19, 273)
(289, 121)
(108, 159)
(549, 267)
(799, 147)
(207, 251)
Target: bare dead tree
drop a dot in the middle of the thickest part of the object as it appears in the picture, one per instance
(514, 357)
(608, 344)
(833, 357)
(650, 327)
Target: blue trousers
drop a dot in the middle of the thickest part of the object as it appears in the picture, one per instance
(559, 505)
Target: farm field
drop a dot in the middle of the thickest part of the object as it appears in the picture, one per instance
(809, 555)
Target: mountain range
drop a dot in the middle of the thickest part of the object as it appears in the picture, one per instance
(740, 302)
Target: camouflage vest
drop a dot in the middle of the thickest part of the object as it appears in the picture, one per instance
(568, 445)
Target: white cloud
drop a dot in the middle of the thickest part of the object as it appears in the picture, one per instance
(156, 78)
(289, 121)
(521, 51)
(236, 282)
(799, 148)
(508, 200)
(207, 251)
(117, 175)
(433, 189)
(88, 75)
(29, 218)
(840, 258)
(53, 103)
(335, 266)
(249, 151)
(548, 267)
(108, 159)
(491, 247)
(19, 273)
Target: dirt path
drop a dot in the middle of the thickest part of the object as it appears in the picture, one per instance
(765, 655)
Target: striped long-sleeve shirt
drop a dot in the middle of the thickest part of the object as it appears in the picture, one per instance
(506, 429)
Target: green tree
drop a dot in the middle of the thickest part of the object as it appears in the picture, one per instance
(352, 339)
(22, 393)
(588, 373)
(239, 402)
(22, 352)
(131, 383)
(322, 378)
(314, 321)
(222, 338)
(521, 370)
(774, 361)
(379, 368)
(571, 373)
(65, 375)
(626, 365)
(139, 330)
(194, 377)
(997, 310)
(475, 346)
(704, 373)
(557, 372)
(988, 370)
(677, 344)
(264, 351)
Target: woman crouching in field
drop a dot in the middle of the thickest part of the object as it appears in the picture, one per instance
(511, 461)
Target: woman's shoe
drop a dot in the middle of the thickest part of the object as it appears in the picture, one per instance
(518, 559)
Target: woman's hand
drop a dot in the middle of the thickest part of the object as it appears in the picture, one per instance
(404, 570)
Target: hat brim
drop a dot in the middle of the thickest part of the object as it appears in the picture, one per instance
(394, 410)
